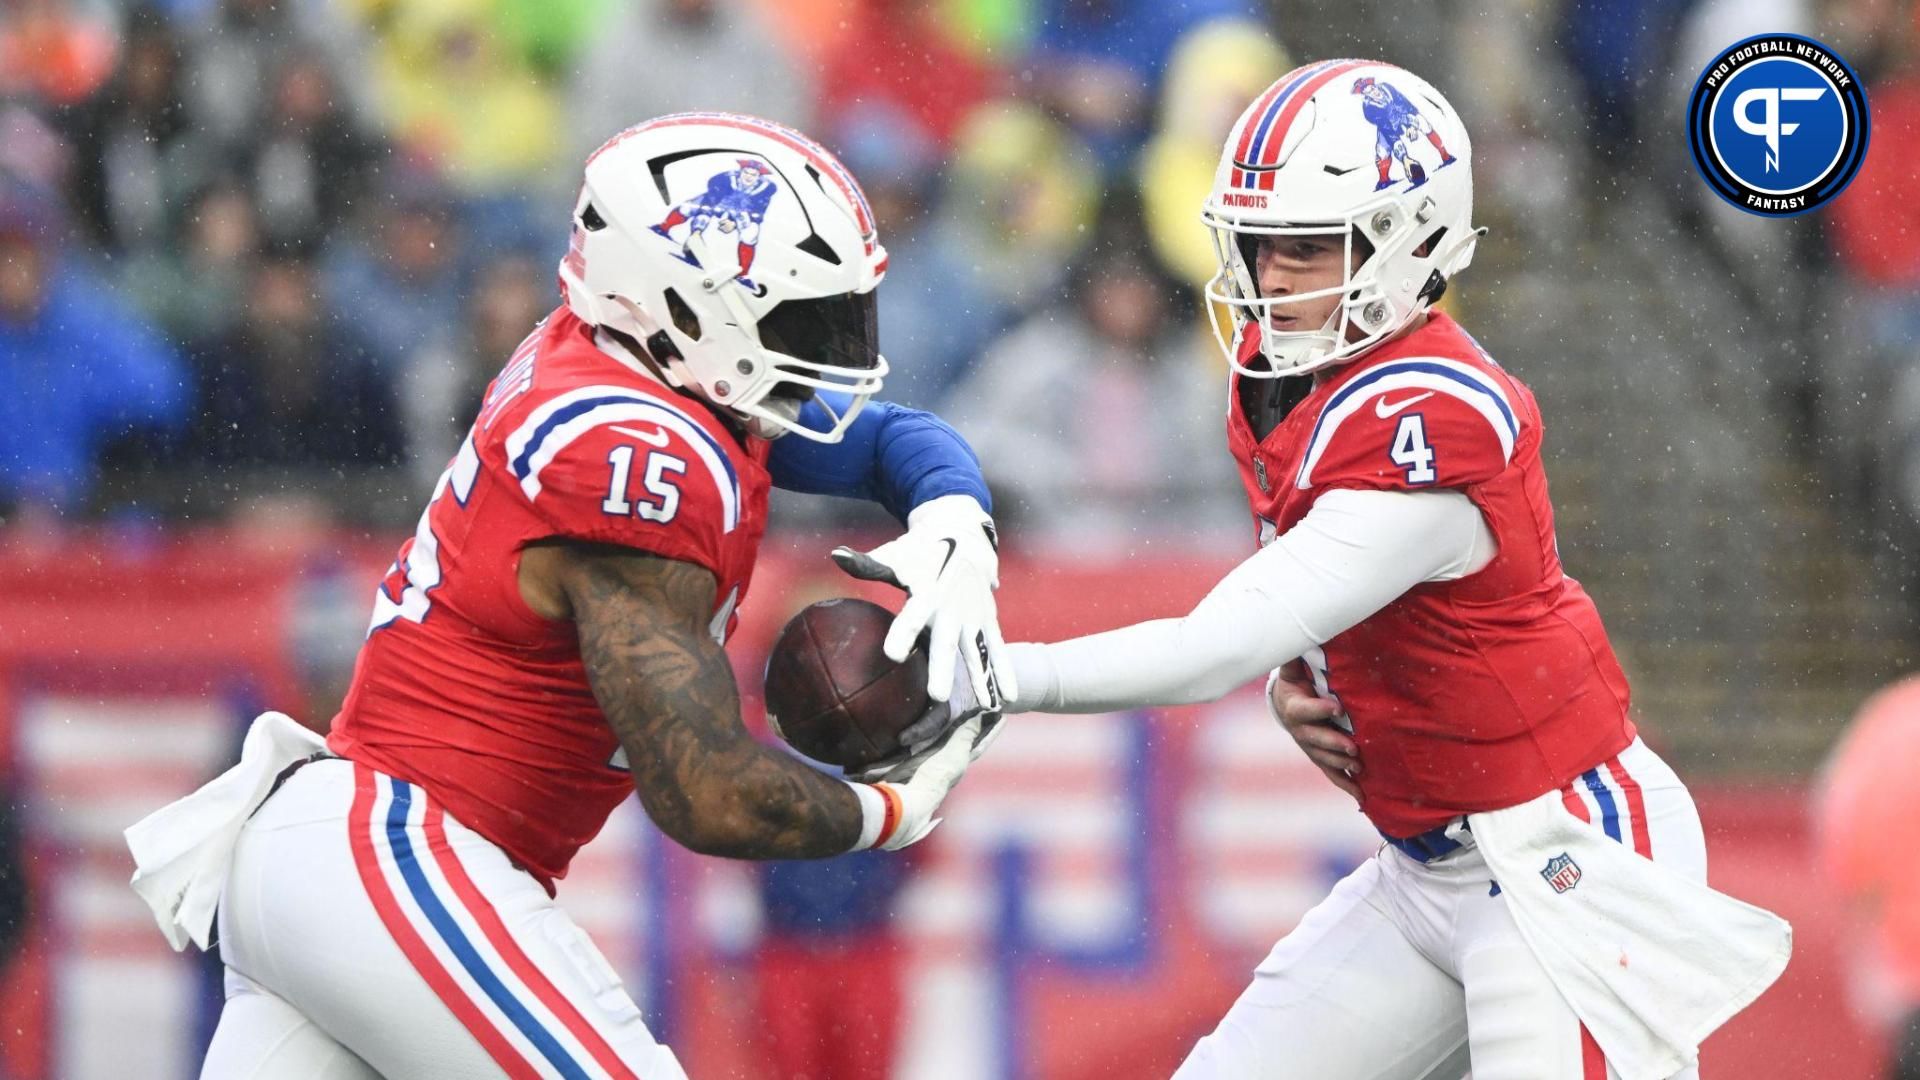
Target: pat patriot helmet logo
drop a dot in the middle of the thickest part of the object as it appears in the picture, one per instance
(1561, 872)
(734, 202)
(1398, 129)
(1778, 124)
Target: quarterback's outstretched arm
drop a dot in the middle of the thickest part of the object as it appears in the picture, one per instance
(1354, 553)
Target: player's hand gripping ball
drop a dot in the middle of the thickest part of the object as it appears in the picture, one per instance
(833, 694)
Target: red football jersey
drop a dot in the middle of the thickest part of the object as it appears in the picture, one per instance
(1464, 695)
(460, 687)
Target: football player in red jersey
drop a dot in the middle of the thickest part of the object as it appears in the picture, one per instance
(550, 641)
(1537, 902)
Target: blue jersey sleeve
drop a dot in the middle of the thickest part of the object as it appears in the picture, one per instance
(892, 455)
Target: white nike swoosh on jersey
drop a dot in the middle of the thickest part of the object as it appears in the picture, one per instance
(1384, 410)
(656, 437)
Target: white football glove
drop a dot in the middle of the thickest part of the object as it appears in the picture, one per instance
(903, 812)
(948, 563)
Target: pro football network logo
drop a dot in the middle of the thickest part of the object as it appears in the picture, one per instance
(1778, 124)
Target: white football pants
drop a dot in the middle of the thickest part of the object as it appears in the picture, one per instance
(368, 934)
(1410, 970)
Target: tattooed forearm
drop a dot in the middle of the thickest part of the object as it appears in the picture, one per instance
(668, 691)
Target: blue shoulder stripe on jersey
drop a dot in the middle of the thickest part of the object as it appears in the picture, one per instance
(524, 463)
(457, 942)
(1425, 368)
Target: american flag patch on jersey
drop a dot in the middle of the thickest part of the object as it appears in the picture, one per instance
(1561, 872)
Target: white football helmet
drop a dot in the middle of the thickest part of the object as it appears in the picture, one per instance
(742, 255)
(1331, 149)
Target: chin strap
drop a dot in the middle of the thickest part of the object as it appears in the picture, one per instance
(641, 358)
(651, 351)
(770, 430)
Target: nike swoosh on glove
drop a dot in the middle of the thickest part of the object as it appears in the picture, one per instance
(949, 565)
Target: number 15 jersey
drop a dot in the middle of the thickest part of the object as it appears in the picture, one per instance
(1466, 695)
(463, 689)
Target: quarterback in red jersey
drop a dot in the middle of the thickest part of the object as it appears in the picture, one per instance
(550, 642)
(1427, 650)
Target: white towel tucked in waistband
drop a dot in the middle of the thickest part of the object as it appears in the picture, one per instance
(182, 850)
(1651, 961)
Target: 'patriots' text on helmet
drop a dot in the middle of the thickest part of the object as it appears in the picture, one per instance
(1349, 150)
(743, 256)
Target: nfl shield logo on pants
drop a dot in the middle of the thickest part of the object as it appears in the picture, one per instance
(1562, 873)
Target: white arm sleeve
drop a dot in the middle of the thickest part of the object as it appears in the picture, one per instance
(1354, 553)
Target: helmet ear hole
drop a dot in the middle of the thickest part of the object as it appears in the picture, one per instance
(661, 348)
(591, 219)
(1431, 244)
(683, 317)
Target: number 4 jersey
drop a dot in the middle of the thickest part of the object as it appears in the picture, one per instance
(464, 690)
(1473, 694)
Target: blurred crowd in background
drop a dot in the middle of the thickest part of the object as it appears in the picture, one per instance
(272, 250)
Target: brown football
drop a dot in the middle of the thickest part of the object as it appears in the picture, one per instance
(833, 694)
